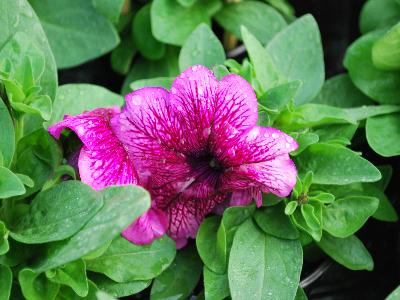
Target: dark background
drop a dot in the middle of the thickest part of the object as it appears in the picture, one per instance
(338, 23)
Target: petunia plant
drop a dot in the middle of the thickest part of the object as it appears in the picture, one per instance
(209, 177)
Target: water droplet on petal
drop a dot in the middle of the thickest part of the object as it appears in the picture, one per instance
(275, 135)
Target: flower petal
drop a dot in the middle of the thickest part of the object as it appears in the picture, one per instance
(245, 197)
(103, 160)
(193, 97)
(236, 104)
(186, 215)
(149, 226)
(261, 159)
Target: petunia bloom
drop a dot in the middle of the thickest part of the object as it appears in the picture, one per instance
(193, 147)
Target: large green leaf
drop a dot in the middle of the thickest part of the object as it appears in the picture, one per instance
(109, 8)
(21, 36)
(297, 54)
(76, 31)
(180, 279)
(58, 213)
(122, 205)
(377, 14)
(144, 40)
(385, 52)
(10, 184)
(346, 216)
(395, 295)
(75, 98)
(380, 85)
(340, 91)
(349, 252)
(4, 245)
(7, 136)
(262, 266)
(259, 18)
(332, 164)
(5, 282)
(383, 134)
(124, 261)
(202, 47)
(166, 14)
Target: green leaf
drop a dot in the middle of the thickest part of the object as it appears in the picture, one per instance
(100, 295)
(66, 293)
(383, 134)
(340, 91)
(122, 55)
(124, 261)
(111, 9)
(166, 14)
(180, 279)
(264, 23)
(364, 112)
(333, 164)
(266, 72)
(305, 140)
(5, 282)
(21, 36)
(36, 286)
(377, 14)
(336, 132)
(165, 82)
(232, 218)
(118, 289)
(395, 295)
(7, 136)
(220, 71)
(346, 216)
(4, 246)
(309, 218)
(297, 53)
(75, 24)
(291, 207)
(10, 184)
(72, 275)
(349, 252)
(202, 47)
(386, 211)
(186, 3)
(38, 155)
(210, 249)
(75, 98)
(300, 295)
(366, 76)
(387, 172)
(143, 38)
(262, 266)
(274, 222)
(58, 213)
(147, 69)
(122, 205)
(385, 52)
(216, 286)
(312, 218)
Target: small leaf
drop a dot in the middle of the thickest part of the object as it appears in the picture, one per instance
(349, 252)
(180, 279)
(7, 136)
(394, 295)
(201, 47)
(274, 222)
(383, 134)
(10, 184)
(346, 216)
(377, 14)
(264, 23)
(36, 286)
(143, 38)
(118, 289)
(72, 275)
(5, 282)
(4, 246)
(307, 181)
(305, 140)
(216, 286)
(291, 207)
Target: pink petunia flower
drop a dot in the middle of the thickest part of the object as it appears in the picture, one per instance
(193, 148)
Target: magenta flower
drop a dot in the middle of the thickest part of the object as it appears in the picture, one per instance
(196, 148)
